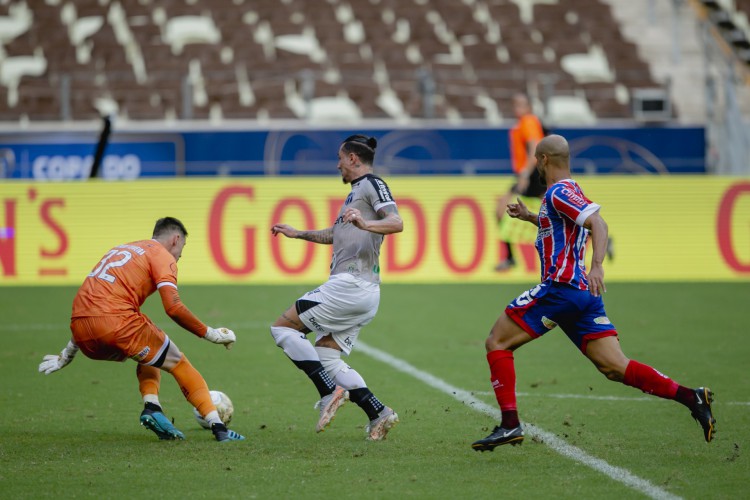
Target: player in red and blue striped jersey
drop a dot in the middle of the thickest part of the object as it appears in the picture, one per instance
(561, 240)
(569, 297)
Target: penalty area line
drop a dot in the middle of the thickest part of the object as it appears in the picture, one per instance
(555, 443)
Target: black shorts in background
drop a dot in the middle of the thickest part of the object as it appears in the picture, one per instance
(535, 189)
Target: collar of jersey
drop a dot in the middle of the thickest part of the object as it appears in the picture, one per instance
(360, 178)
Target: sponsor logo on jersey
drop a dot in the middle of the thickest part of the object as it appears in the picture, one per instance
(548, 323)
(383, 192)
(349, 198)
(141, 355)
(316, 324)
(573, 197)
(602, 320)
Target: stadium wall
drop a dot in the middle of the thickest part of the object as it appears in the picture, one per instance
(137, 153)
(665, 228)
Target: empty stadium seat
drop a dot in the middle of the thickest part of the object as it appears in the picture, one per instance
(209, 59)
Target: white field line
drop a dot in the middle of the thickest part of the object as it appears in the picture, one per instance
(574, 453)
(250, 325)
(597, 398)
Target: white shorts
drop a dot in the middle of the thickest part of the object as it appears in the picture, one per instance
(339, 307)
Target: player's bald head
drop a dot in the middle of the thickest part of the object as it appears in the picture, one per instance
(553, 146)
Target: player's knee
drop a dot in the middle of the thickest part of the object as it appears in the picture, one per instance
(331, 360)
(490, 344)
(282, 333)
(494, 343)
(171, 356)
(611, 372)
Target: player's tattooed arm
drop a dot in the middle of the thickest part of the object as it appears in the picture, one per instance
(390, 221)
(323, 236)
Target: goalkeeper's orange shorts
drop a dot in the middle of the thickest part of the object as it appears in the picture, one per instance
(116, 338)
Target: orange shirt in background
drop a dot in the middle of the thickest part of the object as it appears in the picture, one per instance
(527, 129)
(123, 279)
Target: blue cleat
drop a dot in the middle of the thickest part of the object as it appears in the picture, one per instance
(222, 434)
(160, 424)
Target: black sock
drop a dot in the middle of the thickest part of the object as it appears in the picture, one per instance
(367, 401)
(320, 377)
(686, 396)
(509, 251)
(152, 407)
(510, 419)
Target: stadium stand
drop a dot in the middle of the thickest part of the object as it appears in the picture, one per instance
(731, 19)
(325, 60)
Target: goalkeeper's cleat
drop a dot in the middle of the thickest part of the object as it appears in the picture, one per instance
(222, 434)
(499, 436)
(328, 405)
(378, 428)
(160, 424)
(702, 412)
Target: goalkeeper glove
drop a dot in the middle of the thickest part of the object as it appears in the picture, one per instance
(53, 362)
(223, 336)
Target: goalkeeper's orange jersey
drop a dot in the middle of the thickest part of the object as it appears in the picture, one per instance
(124, 278)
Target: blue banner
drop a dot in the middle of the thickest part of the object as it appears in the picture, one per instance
(401, 151)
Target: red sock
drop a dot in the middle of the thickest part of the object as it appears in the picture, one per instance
(650, 381)
(503, 379)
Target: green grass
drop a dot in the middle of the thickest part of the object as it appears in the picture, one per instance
(75, 433)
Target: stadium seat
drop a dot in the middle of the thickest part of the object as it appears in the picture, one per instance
(573, 110)
(182, 30)
(376, 56)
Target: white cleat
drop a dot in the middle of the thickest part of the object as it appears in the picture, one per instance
(379, 427)
(328, 406)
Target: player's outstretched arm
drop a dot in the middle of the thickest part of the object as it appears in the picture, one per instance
(599, 233)
(521, 211)
(322, 236)
(53, 362)
(181, 315)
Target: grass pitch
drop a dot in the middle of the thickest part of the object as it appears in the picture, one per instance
(75, 433)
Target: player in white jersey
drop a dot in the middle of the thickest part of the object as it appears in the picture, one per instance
(338, 309)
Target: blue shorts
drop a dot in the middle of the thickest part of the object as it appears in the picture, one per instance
(580, 315)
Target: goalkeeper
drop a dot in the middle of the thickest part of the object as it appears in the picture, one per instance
(107, 324)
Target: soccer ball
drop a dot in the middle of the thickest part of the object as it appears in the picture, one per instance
(223, 405)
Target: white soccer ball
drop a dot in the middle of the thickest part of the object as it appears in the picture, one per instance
(223, 405)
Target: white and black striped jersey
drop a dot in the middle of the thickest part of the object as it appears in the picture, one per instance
(356, 251)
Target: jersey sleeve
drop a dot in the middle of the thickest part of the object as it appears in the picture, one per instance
(179, 312)
(380, 195)
(164, 274)
(572, 204)
(163, 268)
